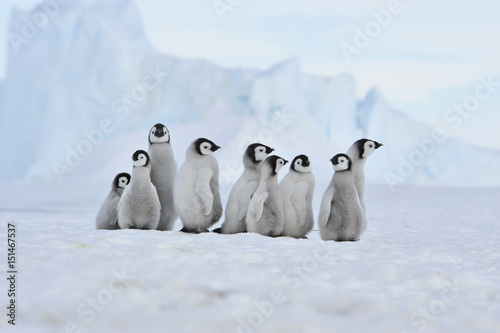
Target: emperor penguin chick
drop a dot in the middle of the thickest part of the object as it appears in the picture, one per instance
(163, 170)
(297, 192)
(265, 210)
(139, 206)
(239, 198)
(359, 152)
(107, 217)
(341, 216)
(196, 188)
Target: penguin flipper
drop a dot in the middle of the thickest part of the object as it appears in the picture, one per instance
(259, 205)
(113, 211)
(326, 206)
(299, 203)
(154, 194)
(244, 201)
(203, 190)
(123, 197)
(241, 212)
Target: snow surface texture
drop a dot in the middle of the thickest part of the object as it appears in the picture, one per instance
(92, 63)
(429, 262)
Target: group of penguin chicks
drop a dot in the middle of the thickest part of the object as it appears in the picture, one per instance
(157, 194)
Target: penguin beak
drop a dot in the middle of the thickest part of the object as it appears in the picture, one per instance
(269, 150)
(378, 145)
(285, 162)
(306, 163)
(331, 159)
(215, 148)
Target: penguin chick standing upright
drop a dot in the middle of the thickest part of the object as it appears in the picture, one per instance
(359, 152)
(341, 216)
(297, 192)
(196, 188)
(265, 210)
(107, 217)
(139, 206)
(239, 198)
(163, 170)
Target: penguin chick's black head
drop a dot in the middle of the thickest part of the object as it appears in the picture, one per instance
(300, 161)
(121, 180)
(341, 162)
(204, 146)
(159, 134)
(366, 147)
(258, 149)
(140, 158)
(276, 163)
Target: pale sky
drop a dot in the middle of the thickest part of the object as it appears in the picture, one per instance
(428, 47)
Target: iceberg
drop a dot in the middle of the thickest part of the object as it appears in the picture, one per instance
(90, 76)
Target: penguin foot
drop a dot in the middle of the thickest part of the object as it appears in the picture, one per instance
(191, 231)
(217, 231)
(345, 240)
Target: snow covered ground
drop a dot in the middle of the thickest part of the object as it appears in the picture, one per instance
(429, 262)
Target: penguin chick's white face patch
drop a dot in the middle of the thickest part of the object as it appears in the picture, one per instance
(342, 164)
(369, 148)
(301, 164)
(279, 164)
(206, 148)
(141, 160)
(122, 182)
(260, 153)
(303, 169)
(159, 134)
